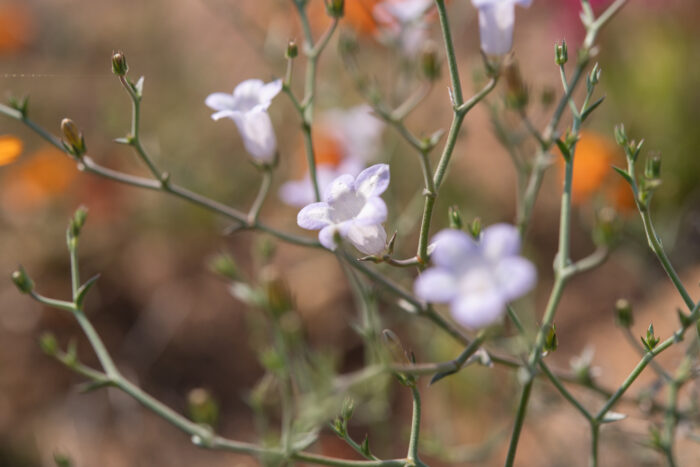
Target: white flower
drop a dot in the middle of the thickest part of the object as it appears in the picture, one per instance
(477, 279)
(247, 107)
(404, 22)
(352, 209)
(496, 21)
(356, 135)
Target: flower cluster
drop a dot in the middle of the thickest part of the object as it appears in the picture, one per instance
(477, 278)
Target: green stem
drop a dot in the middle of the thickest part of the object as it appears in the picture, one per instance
(670, 421)
(595, 431)
(450, 53)
(415, 425)
(255, 209)
(518, 425)
(564, 392)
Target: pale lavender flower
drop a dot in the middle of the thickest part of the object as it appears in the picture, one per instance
(496, 22)
(247, 107)
(404, 22)
(351, 209)
(479, 278)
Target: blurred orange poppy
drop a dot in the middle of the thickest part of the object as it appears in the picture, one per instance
(593, 174)
(10, 149)
(46, 173)
(17, 26)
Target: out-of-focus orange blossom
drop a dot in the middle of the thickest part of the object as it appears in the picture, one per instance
(593, 174)
(45, 174)
(327, 151)
(10, 149)
(359, 15)
(17, 26)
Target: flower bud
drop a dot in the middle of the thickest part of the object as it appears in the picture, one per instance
(77, 222)
(652, 170)
(119, 66)
(48, 344)
(623, 313)
(561, 53)
(279, 298)
(455, 218)
(73, 139)
(335, 8)
(292, 49)
(225, 266)
(202, 407)
(475, 228)
(594, 75)
(620, 135)
(348, 408)
(22, 280)
(430, 63)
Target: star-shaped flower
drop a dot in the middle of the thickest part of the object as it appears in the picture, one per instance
(247, 107)
(479, 278)
(351, 209)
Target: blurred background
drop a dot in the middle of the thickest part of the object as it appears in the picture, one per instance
(173, 326)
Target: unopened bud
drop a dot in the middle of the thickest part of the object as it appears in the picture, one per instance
(22, 280)
(119, 66)
(348, 408)
(202, 407)
(652, 170)
(621, 135)
(455, 218)
(292, 49)
(551, 342)
(73, 139)
(224, 265)
(475, 228)
(78, 221)
(48, 344)
(335, 8)
(561, 53)
(594, 75)
(430, 63)
(278, 296)
(623, 313)
(516, 92)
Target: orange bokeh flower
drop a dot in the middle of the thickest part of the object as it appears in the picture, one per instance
(359, 15)
(593, 174)
(10, 149)
(17, 26)
(46, 173)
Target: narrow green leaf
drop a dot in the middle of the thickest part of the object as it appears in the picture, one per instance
(84, 289)
(624, 174)
(591, 108)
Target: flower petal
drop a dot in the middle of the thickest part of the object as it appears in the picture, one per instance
(258, 135)
(436, 285)
(454, 250)
(220, 101)
(327, 235)
(479, 309)
(373, 212)
(226, 113)
(248, 88)
(369, 239)
(339, 188)
(500, 241)
(315, 216)
(496, 21)
(269, 91)
(373, 181)
(516, 276)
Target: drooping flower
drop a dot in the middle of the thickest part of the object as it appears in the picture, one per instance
(344, 141)
(479, 278)
(247, 107)
(496, 21)
(403, 21)
(351, 209)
